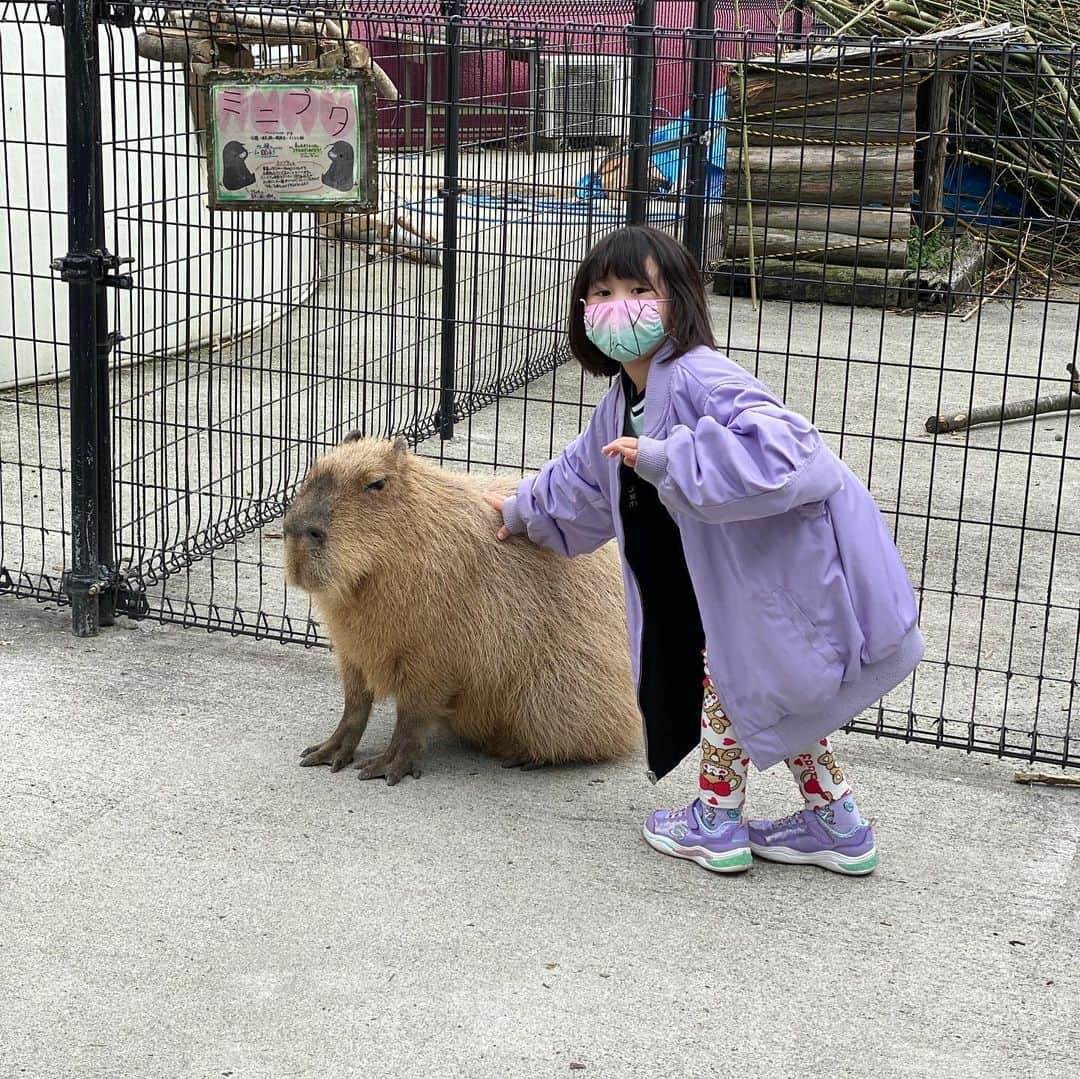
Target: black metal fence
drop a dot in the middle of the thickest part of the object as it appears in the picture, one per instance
(888, 228)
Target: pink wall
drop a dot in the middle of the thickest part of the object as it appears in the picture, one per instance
(493, 83)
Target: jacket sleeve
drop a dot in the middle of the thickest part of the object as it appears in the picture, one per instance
(746, 457)
(564, 507)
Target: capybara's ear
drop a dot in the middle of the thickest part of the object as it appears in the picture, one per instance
(352, 436)
(401, 445)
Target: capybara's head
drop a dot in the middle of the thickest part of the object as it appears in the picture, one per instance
(347, 514)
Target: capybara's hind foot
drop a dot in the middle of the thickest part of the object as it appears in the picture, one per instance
(331, 752)
(393, 765)
(526, 764)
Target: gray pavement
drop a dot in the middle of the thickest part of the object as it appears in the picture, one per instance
(181, 899)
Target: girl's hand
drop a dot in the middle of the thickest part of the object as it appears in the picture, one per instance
(496, 503)
(627, 447)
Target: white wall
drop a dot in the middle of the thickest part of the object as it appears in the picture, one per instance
(198, 276)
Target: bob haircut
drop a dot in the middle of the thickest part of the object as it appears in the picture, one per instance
(625, 253)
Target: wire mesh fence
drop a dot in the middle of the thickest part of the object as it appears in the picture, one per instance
(882, 250)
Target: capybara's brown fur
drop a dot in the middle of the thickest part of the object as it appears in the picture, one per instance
(520, 651)
(614, 173)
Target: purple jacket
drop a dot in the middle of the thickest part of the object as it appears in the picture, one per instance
(808, 612)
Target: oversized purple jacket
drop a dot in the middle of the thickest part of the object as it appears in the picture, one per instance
(808, 613)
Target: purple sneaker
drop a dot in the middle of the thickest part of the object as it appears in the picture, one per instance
(806, 838)
(679, 832)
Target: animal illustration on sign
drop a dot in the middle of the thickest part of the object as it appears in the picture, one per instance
(234, 171)
(340, 173)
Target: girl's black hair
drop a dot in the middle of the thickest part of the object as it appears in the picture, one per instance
(625, 253)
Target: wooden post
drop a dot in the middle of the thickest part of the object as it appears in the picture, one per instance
(932, 188)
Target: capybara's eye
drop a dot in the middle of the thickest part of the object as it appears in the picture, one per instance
(375, 485)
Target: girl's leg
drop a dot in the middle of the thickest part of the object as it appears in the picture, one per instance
(828, 832)
(722, 776)
(711, 830)
(824, 787)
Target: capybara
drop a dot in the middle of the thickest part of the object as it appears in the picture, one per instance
(521, 652)
(614, 171)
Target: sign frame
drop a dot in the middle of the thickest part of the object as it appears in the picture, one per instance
(366, 144)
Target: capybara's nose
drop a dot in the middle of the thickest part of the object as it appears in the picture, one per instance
(298, 529)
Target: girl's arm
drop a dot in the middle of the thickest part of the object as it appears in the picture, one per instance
(565, 508)
(747, 457)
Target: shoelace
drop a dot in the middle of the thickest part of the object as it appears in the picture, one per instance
(789, 821)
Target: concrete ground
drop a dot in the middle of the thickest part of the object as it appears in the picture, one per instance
(181, 899)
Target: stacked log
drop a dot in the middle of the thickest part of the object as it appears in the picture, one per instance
(819, 170)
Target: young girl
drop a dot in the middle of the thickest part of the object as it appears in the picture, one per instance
(743, 539)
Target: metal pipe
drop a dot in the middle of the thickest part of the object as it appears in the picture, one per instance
(450, 193)
(703, 48)
(82, 268)
(642, 72)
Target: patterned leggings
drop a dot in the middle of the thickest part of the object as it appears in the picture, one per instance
(723, 763)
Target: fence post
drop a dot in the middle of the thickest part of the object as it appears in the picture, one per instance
(642, 70)
(444, 418)
(702, 52)
(91, 578)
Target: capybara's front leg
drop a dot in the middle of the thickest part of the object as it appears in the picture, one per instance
(338, 749)
(399, 758)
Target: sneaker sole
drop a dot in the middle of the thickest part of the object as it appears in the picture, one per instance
(852, 865)
(737, 861)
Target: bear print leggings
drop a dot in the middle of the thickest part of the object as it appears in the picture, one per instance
(722, 780)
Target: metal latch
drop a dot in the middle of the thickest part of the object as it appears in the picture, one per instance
(94, 266)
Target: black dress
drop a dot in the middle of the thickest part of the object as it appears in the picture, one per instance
(671, 668)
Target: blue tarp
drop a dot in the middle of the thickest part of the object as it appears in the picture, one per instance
(672, 162)
(971, 195)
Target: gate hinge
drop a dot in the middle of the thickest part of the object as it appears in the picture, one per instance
(128, 597)
(93, 267)
(118, 13)
(131, 599)
(79, 586)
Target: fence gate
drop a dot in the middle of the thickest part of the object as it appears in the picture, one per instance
(888, 228)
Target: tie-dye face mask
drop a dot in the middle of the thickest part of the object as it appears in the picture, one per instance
(625, 330)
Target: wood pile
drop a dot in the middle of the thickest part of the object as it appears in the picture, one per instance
(820, 163)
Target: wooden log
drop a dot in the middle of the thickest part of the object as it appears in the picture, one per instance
(355, 54)
(360, 57)
(812, 158)
(175, 48)
(811, 246)
(864, 222)
(802, 88)
(851, 129)
(1014, 410)
(857, 106)
(292, 27)
(809, 282)
(1050, 779)
(826, 97)
(899, 100)
(839, 188)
